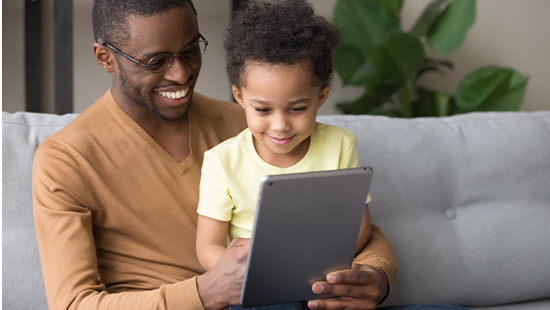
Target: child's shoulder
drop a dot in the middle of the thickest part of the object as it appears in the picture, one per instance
(231, 146)
(327, 131)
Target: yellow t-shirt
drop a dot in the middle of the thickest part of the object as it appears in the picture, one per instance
(231, 173)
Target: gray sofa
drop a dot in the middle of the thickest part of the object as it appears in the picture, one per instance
(464, 200)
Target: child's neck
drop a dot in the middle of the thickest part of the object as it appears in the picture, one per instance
(284, 160)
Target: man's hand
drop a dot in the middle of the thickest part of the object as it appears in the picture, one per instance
(222, 285)
(361, 287)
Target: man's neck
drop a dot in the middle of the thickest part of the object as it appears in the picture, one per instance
(171, 135)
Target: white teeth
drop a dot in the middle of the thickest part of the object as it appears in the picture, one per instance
(174, 95)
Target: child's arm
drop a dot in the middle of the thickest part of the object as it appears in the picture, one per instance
(364, 232)
(211, 241)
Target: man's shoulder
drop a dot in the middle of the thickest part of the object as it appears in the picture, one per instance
(93, 122)
(218, 110)
(217, 118)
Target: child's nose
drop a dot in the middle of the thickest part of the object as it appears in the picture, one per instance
(280, 122)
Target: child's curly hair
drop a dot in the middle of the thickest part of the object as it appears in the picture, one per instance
(285, 32)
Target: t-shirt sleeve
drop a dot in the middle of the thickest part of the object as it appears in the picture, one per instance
(350, 157)
(215, 198)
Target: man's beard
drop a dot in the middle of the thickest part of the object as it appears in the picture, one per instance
(129, 90)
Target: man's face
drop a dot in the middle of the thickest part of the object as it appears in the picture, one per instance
(166, 95)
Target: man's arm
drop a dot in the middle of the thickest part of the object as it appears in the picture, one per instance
(222, 285)
(366, 284)
(64, 212)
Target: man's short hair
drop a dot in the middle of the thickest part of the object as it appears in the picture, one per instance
(284, 32)
(110, 17)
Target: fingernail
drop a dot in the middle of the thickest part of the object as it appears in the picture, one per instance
(331, 278)
(312, 305)
(318, 288)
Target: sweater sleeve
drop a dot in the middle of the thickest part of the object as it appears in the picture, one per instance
(63, 214)
(379, 253)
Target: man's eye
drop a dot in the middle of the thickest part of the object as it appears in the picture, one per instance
(191, 51)
(159, 61)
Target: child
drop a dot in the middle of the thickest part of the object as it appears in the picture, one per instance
(279, 64)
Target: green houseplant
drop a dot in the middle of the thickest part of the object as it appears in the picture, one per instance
(376, 54)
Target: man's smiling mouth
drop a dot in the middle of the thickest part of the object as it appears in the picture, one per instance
(174, 94)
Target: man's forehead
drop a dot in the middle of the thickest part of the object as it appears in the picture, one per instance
(178, 24)
(181, 15)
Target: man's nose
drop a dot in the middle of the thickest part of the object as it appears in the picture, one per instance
(180, 71)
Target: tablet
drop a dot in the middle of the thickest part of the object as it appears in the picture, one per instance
(306, 225)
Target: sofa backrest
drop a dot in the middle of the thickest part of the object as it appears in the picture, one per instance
(22, 132)
(465, 202)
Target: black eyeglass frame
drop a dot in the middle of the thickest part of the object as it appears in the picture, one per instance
(148, 64)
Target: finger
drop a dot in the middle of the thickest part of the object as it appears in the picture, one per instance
(369, 291)
(341, 303)
(321, 288)
(355, 276)
(239, 242)
(339, 290)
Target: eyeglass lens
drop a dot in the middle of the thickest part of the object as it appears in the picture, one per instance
(191, 53)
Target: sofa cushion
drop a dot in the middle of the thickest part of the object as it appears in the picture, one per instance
(23, 287)
(465, 202)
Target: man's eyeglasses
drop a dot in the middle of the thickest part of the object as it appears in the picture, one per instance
(162, 61)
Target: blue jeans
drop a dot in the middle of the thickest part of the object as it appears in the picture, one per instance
(303, 306)
(289, 306)
(423, 307)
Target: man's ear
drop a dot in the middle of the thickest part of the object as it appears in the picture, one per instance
(104, 57)
(238, 95)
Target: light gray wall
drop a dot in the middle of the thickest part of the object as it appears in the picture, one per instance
(13, 74)
(507, 32)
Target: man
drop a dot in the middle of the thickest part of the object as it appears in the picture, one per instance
(115, 192)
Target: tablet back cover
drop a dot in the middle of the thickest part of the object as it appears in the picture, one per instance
(306, 226)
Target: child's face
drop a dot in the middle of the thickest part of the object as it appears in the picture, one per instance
(281, 107)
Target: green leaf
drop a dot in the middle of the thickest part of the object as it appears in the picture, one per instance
(491, 88)
(361, 105)
(348, 61)
(428, 16)
(393, 7)
(375, 95)
(449, 30)
(394, 64)
(398, 58)
(363, 24)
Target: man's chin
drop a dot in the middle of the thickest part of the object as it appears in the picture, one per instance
(171, 115)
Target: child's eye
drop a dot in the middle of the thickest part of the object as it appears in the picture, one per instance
(262, 110)
(298, 109)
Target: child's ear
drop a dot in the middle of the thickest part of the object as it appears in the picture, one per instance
(104, 57)
(323, 95)
(238, 95)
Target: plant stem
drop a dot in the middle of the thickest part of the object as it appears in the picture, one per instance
(404, 94)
